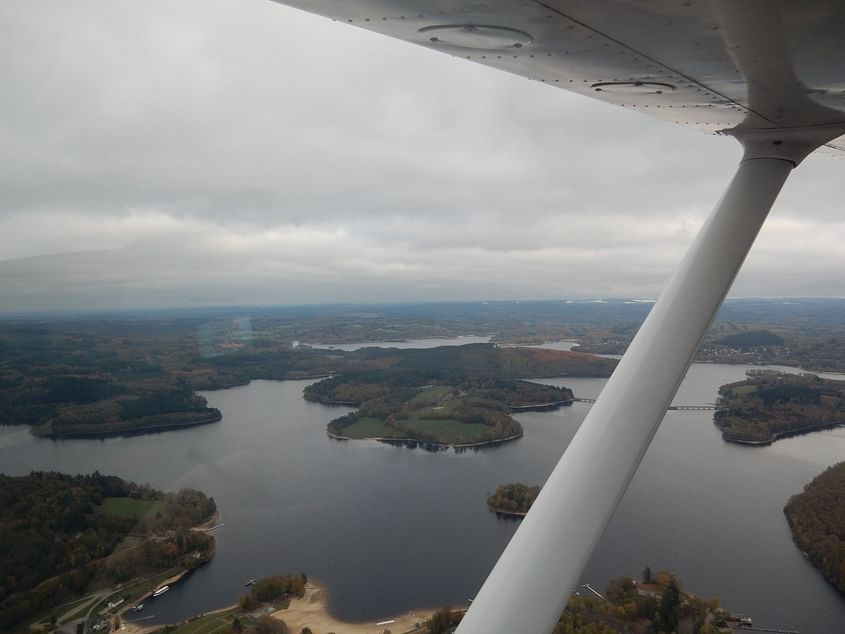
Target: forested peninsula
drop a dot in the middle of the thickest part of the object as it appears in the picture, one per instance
(124, 411)
(817, 519)
(99, 378)
(67, 537)
(770, 405)
(449, 396)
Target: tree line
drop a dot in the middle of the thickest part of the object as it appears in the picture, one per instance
(817, 519)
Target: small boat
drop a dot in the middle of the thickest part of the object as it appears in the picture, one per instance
(250, 582)
(138, 608)
(161, 591)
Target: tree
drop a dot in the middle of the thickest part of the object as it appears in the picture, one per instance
(269, 625)
(669, 611)
(247, 603)
(647, 575)
(443, 621)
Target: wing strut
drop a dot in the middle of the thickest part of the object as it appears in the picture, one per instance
(530, 584)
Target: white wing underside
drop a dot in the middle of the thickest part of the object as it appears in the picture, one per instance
(715, 65)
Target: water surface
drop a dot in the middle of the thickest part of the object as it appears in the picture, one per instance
(428, 342)
(389, 529)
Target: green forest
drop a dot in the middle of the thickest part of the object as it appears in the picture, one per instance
(66, 536)
(817, 519)
(751, 339)
(769, 405)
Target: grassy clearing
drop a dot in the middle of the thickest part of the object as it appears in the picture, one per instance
(430, 396)
(449, 430)
(371, 428)
(127, 508)
(438, 411)
(128, 542)
(78, 613)
(212, 624)
(70, 614)
(70, 608)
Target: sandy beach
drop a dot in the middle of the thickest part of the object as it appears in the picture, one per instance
(311, 611)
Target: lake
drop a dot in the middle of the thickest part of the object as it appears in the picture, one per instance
(428, 342)
(389, 529)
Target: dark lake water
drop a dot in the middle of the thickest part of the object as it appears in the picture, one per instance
(429, 342)
(389, 529)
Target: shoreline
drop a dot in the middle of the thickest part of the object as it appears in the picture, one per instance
(133, 627)
(312, 611)
(507, 513)
(392, 440)
(541, 407)
(783, 434)
(130, 430)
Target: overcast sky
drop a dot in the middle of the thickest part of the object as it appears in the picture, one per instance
(191, 152)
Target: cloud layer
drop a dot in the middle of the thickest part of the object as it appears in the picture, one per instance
(220, 151)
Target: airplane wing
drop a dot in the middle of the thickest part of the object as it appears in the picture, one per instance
(769, 72)
(715, 65)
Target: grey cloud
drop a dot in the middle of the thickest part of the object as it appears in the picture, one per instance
(263, 154)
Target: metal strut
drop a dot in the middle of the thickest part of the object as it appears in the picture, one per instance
(528, 588)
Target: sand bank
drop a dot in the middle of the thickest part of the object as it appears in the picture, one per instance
(312, 611)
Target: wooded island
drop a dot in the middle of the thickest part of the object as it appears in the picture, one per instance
(512, 499)
(770, 405)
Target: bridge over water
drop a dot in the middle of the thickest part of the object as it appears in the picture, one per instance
(688, 408)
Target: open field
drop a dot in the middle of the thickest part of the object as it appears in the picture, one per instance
(126, 507)
(218, 623)
(430, 396)
(74, 611)
(371, 428)
(449, 429)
